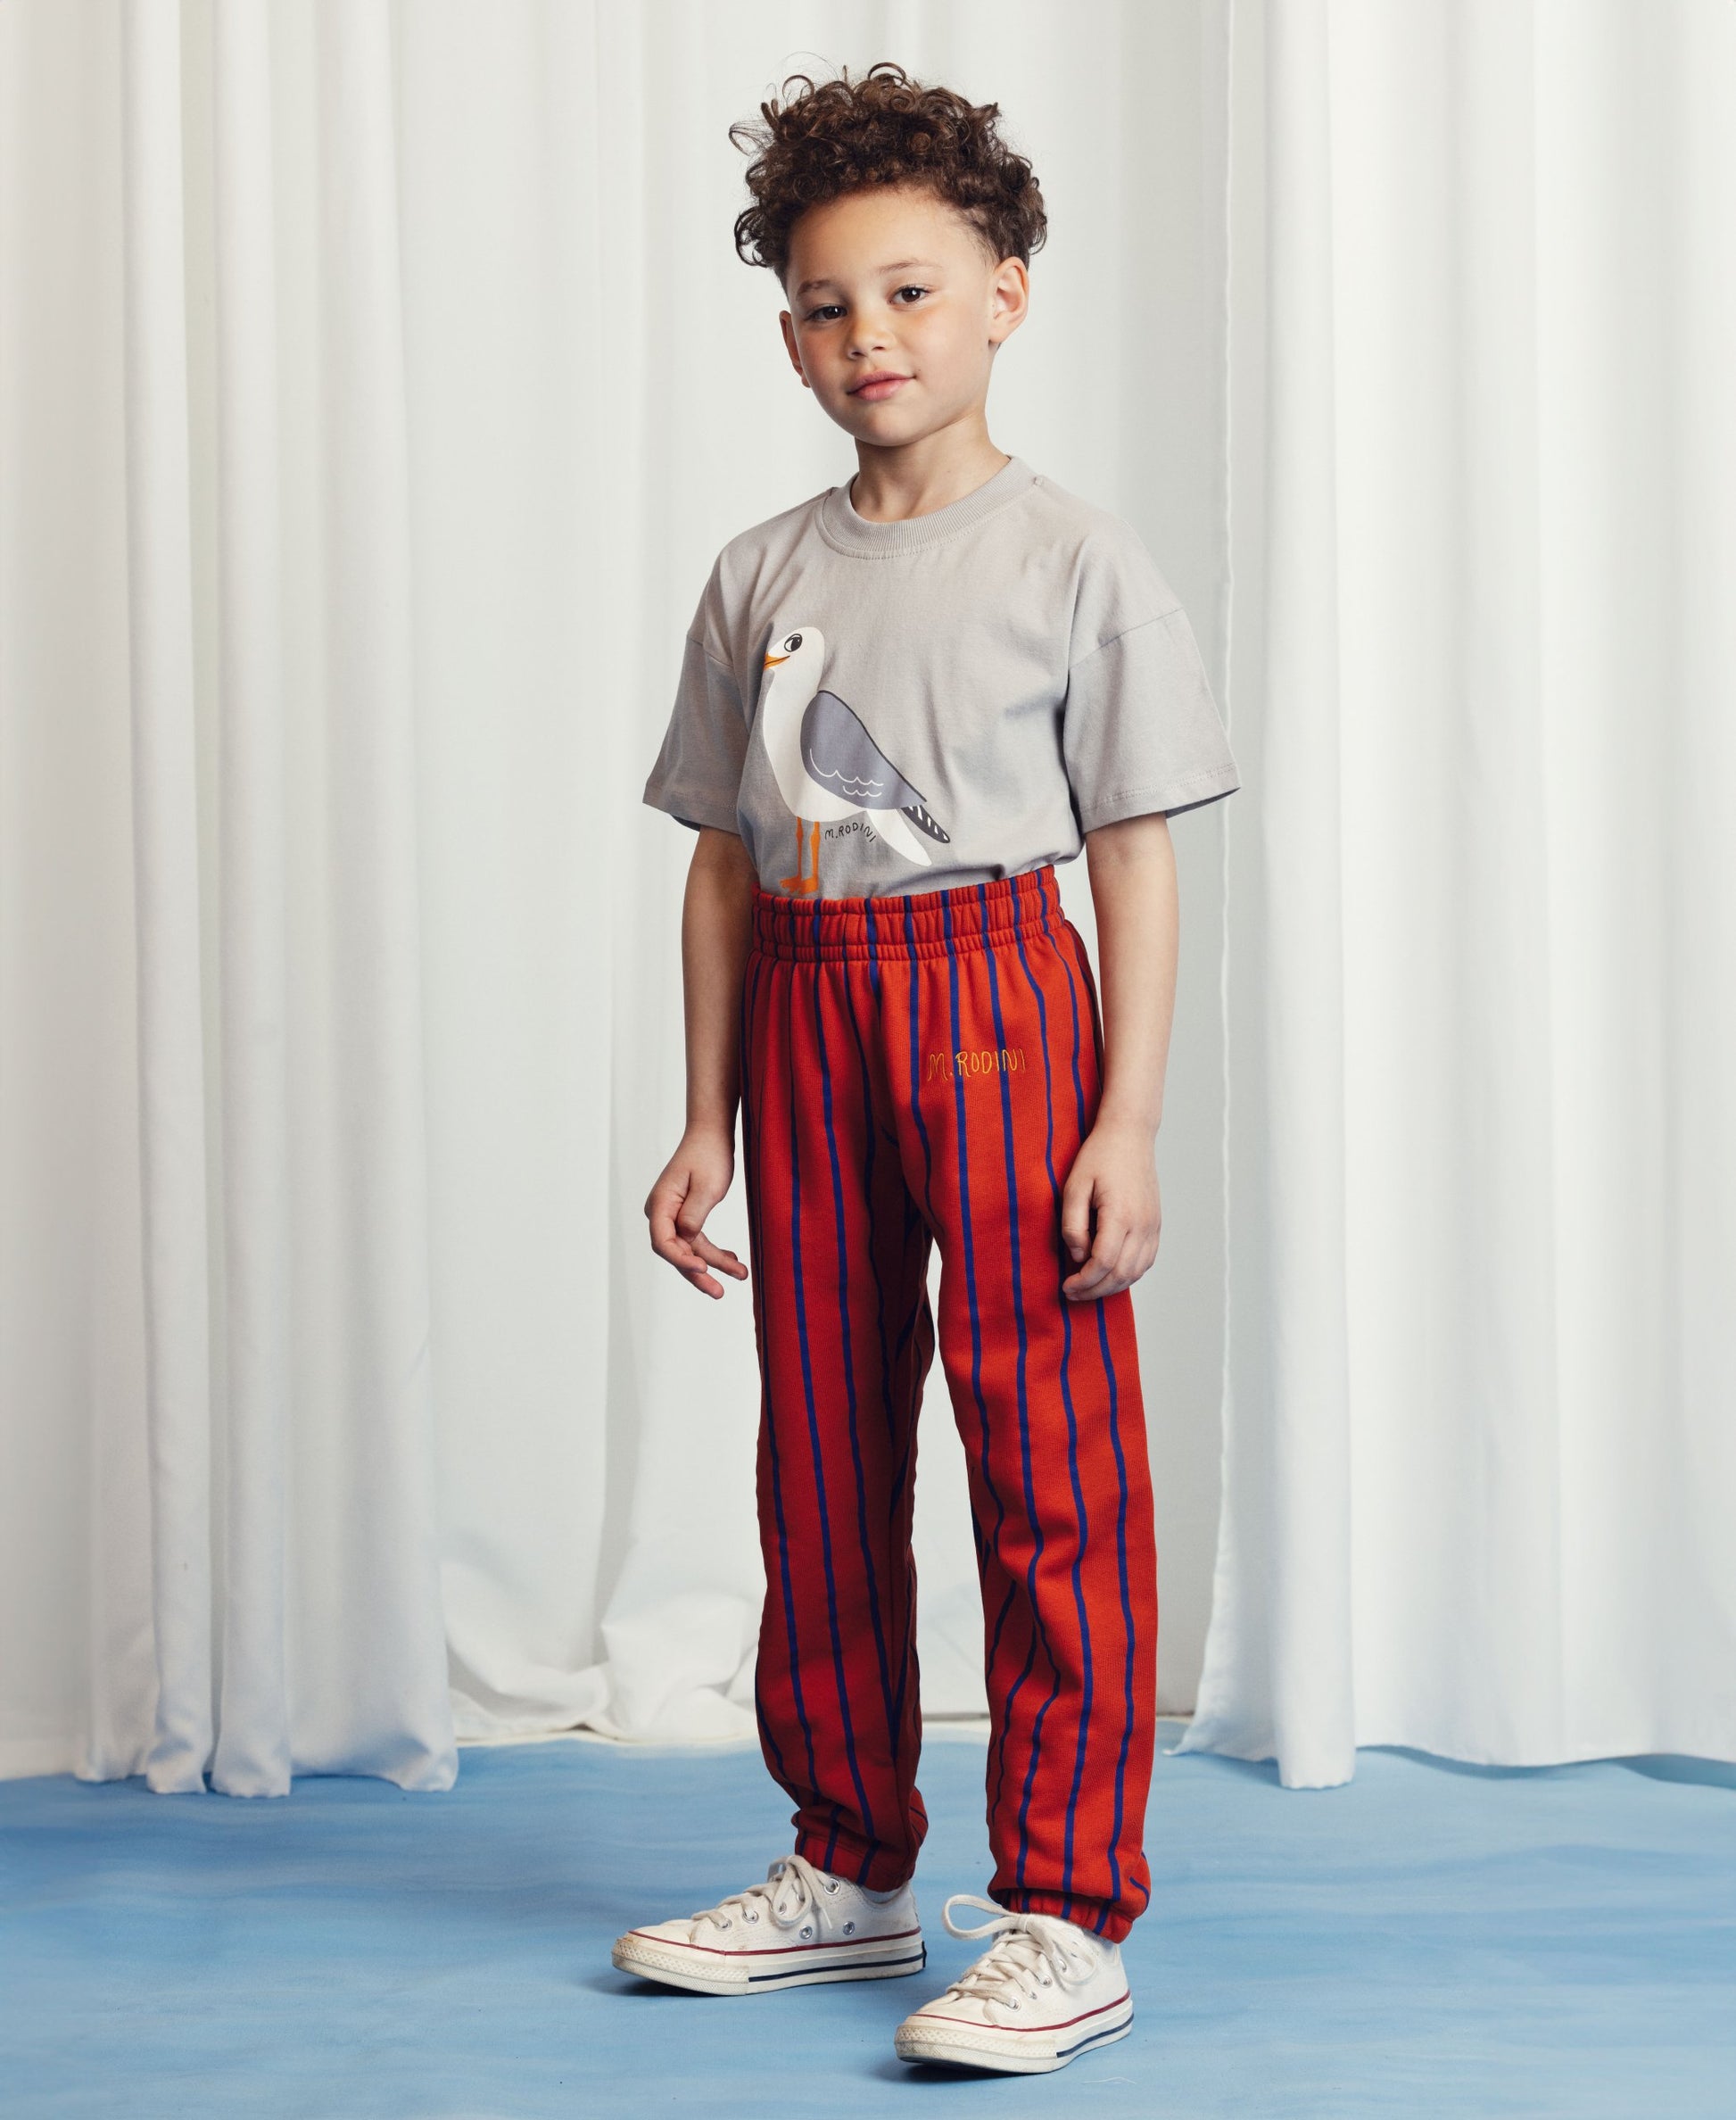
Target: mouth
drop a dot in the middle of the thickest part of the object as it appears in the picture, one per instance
(873, 388)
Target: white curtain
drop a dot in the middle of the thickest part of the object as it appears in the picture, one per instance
(1479, 1456)
(376, 385)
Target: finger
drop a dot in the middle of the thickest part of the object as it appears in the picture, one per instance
(691, 1217)
(1088, 1281)
(1106, 1246)
(714, 1255)
(1111, 1277)
(660, 1211)
(1085, 1285)
(679, 1254)
(1131, 1260)
(1076, 1219)
(668, 1243)
(688, 1226)
(689, 1264)
(672, 1186)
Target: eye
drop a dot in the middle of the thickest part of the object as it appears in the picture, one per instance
(912, 291)
(791, 643)
(826, 309)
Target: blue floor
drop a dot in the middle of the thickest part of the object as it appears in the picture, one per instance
(1429, 1940)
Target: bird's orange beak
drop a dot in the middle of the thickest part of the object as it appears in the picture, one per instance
(770, 660)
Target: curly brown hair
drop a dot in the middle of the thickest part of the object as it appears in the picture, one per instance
(843, 136)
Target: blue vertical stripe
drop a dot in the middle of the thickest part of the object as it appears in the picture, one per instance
(870, 1157)
(770, 1418)
(865, 1810)
(912, 1213)
(1127, 1605)
(847, 1341)
(1089, 1688)
(907, 1324)
(1032, 1515)
(1072, 1436)
(993, 1537)
(916, 1069)
(1120, 1465)
(914, 1233)
(922, 1131)
(749, 1158)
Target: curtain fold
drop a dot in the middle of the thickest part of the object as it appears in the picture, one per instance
(176, 1739)
(1480, 983)
(376, 1693)
(295, 1616)
(254, 1749)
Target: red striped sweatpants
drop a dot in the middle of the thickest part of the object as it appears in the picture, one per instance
(915, 1070)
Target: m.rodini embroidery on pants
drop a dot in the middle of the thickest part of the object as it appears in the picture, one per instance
(975, 1062)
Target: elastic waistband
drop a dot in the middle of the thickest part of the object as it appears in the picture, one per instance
(924, 923)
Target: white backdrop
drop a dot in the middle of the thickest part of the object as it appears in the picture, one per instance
(1482, 1461)
(375, 387)
(378, 388)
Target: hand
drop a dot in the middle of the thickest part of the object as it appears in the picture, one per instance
(1115, 1173)
(693, 1180)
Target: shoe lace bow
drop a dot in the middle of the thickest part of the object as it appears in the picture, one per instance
(791, 1886)
(1017, 1963)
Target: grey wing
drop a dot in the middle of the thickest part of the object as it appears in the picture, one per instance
(839, 753)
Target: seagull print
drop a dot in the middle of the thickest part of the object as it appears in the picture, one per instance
(827, 765)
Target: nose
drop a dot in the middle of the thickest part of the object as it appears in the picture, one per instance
(868, 332)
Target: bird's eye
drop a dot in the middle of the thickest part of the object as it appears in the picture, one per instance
(792, 643)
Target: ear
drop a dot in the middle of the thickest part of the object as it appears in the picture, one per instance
(1009, 299)
(787, 325)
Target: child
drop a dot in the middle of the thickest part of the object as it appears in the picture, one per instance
(902, 703)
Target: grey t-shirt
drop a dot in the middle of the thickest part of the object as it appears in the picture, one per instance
(943, 700)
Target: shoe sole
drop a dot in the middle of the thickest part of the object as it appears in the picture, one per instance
(960, 2049)
(667, 1968)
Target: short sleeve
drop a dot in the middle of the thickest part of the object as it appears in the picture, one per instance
(1140, 728)
(697, 773)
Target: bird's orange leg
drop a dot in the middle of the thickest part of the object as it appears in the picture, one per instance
(801, 884)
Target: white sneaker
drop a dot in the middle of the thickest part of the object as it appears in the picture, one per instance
(801, 1926)
(1044, 1990)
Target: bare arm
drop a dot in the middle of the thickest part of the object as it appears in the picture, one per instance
(717, 916)
(1113, 1179)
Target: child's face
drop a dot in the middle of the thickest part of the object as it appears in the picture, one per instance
(894, 282)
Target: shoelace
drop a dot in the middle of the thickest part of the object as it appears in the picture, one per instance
(1014, 1965)
(792, 1886)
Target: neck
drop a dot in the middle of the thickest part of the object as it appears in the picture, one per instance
(914, 478)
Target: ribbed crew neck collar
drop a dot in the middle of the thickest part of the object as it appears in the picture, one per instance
(842, 526)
